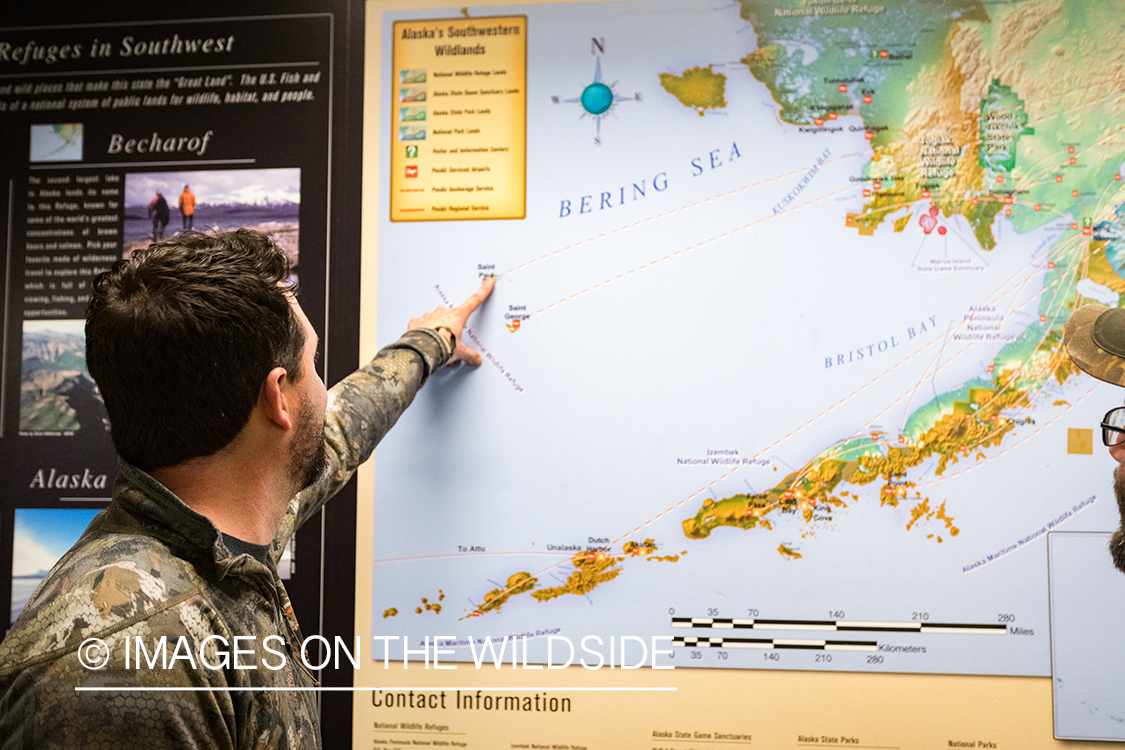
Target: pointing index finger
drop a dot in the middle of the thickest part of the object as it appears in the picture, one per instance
(476, 298)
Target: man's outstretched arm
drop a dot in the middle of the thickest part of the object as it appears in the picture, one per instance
(364, 406)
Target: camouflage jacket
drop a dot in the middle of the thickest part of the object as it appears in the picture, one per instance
(149, 568)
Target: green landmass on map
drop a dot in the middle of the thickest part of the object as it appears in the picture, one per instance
(590, 569)
(1002, 122)
(699, 88)
(981, 111)
(932, 72)
(517, 583)
(975, 423)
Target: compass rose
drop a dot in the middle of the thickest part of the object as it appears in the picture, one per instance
(598, 100)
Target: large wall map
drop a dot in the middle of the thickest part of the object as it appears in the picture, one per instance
(773, 363)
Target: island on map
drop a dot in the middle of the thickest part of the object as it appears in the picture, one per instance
(699, 88)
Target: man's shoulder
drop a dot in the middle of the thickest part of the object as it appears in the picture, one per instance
(118, 610)
(106, 583)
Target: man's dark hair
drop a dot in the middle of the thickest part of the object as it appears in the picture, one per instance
(180, 338)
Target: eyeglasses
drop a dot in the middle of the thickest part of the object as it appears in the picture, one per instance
(1113, 427)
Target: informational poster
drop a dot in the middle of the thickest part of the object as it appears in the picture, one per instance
(128, 125)
(772, 372)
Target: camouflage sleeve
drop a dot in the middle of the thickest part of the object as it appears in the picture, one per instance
(40, 707)
(116, 591)
(362, 408)
(166, 658)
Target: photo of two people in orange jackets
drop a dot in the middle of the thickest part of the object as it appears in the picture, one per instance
(159, 212)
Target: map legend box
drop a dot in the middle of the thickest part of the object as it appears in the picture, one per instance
(470, 160)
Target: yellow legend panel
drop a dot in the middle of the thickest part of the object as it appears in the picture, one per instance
(459, 119)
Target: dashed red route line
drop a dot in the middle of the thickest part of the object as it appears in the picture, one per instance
(689, 248)
(724, 235)
(996, 297)
(681, 209)
(416, 558)
(929, 483)
(978, 462)
(1014, 445)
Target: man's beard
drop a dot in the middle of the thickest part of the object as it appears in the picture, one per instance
(1117, 541)
(308, 454)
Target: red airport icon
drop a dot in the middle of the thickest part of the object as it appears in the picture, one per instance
(866, 193)
(1070, 150)
(818, 121)
(925, 193)
(869, 135)
(1038, 206)
(877, 185)
(1058, 178)
(1050, 265)
(884, 54)
(1042, 318)
(999, 178)
(1073, 160)
(867, 99)
(843, 88)
(1008, 200)
(831, 115)
(1087, 231)
(929, 220)
(976, 201)
(1007, 212)
(1074, 225)
(991, 368)
(411, 170)
(1073, 193)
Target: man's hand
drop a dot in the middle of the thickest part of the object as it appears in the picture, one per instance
(454, 319)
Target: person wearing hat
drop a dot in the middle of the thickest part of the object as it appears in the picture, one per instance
(1095, 340)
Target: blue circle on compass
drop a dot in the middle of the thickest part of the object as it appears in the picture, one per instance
(597, 98)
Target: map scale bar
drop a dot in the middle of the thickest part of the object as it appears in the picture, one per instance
(737, 623)
(775, 643)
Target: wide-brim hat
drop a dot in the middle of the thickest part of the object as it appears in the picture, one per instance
(1094, 338)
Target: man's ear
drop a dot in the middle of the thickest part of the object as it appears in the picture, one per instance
(275, 404)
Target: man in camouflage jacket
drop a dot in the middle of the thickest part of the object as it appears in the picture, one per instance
(152, 570)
